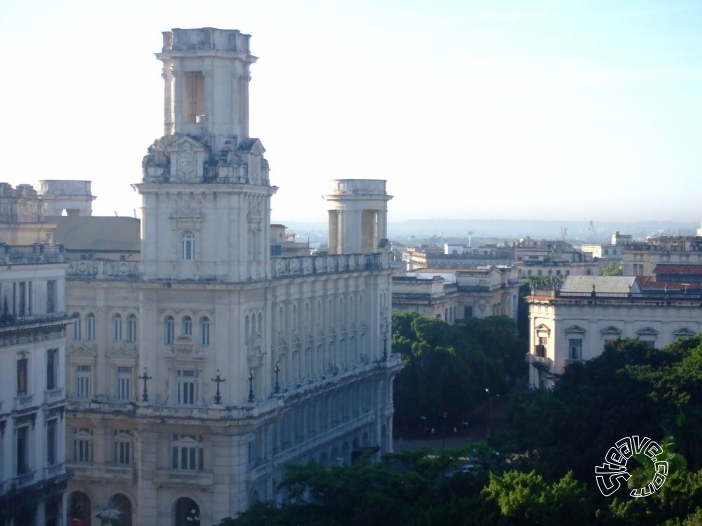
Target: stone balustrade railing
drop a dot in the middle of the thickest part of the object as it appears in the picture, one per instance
(280, 267)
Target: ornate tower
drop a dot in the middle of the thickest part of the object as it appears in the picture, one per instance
(205, 190)
(358, 215)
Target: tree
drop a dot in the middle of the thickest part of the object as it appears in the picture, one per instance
(615, 268)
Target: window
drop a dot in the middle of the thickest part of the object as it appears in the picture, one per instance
(22, 365)
(169, 330)
(82, 445)
(51, 445)
(22, 303)
(187, 392)
(187, 325)
(188, 246)
(52, 359)
(117, 327)
(76, 327)
(22, 449)
(123, 447)
(205, 331)
(187, 453)
(124, 383)
(90, 327)
(83, 374)
(51, 296)
(541, 347)
(575, 346)
(252, 452)
(131, 328)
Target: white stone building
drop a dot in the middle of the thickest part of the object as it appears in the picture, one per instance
(32, 397)
(575, 322)
(452, 294)
(197, 374)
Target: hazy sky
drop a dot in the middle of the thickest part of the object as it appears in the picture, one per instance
(580, 110)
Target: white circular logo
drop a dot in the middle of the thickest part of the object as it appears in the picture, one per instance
(609, 476)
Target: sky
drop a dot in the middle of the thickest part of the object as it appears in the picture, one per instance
(485, 109)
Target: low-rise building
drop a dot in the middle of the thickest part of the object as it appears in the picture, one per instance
(575, 322)
(641, 258)
(452, 294)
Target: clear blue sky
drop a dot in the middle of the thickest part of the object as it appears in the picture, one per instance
(580, 110)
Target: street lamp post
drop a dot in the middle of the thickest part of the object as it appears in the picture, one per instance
(218, 380)
(251, 381)
(277, 373)
(145, 377)
(443, 438)
(487, 390)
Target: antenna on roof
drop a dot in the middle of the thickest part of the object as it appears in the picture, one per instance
(116, 213)
(134, 212)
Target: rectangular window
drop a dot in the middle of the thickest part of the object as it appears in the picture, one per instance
(124, 383)
(205, 332)
(51, 296)
(22, 304)
(22, 365)
(51, 446)
(131, 328)
(83, 374)
(90, 327)
(52, 359)
(22, 450)
(187, 392)
(576, 349)
(187, 453)
(82, 446)
(123, 447)
(117, 328)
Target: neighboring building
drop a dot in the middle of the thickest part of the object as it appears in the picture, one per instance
(451, 294)
(456, 257)
(32, 396)
(641, 258)
(608, 251)
(575, 322)
(283, 243)
(67, 198)
(197, 374)
(552, 258)
(22, 218)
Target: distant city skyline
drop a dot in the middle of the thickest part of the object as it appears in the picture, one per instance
(560, 110)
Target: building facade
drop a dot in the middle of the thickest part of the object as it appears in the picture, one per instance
(576, 322)
(32, 395)
(451, 294)
(197, 374)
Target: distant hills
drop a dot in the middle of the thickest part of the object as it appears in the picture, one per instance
(446, 230)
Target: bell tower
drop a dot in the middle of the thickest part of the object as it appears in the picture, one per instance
(205, 188)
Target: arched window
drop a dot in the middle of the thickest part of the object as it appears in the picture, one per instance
(118, 512)
(132, 328)
(169, 330)
(90, 327)
(205, 331)
(117, 327)
(76, 327)
(187, 325)
(188, 246)
(79, 511)
(187, 512)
